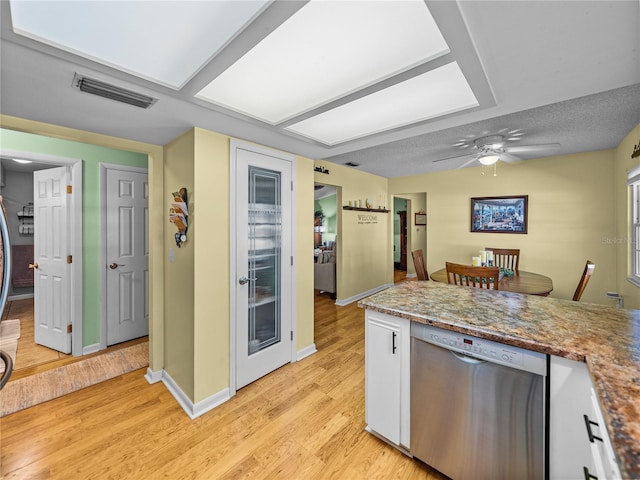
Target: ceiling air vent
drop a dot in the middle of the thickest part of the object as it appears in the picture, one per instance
(352, 164)
(106, 90)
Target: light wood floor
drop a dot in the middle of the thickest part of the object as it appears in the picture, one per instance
(32, 358)
(29, 353)
(303, 421)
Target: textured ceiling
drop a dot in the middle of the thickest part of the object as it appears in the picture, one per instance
(565, 72)
(594, 122)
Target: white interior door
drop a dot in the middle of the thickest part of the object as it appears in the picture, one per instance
(52, 271)
(263, 284)
(127, 254)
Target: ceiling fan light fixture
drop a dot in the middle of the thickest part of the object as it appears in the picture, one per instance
(489, 159)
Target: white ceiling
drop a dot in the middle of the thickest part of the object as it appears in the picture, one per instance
(564, 72)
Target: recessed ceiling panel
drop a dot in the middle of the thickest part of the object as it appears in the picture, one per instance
(325, 51)
(166, 42)
(438, 92)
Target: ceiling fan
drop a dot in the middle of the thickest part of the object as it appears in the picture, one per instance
(489, 149)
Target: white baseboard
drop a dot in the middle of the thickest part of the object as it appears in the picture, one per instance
(305, 352)
(411, 275)
(346, 301)
(24, 296)
(153, 377)
(91, 349)
(194, 410)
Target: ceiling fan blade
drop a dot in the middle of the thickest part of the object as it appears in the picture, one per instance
(532, 148)
(451, 158)
(508, 158)
(468, 162)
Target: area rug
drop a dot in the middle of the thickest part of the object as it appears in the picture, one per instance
(9, 330)
(41, 387)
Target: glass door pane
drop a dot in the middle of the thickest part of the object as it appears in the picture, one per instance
(265, 229)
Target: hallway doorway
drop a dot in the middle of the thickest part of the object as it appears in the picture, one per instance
(325, 240)
(19, 191)
(401, 207)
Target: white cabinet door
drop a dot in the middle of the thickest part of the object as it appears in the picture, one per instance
(601, 448)
(387, 376)
(574, 411)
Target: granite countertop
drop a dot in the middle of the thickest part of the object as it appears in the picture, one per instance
(606, 338)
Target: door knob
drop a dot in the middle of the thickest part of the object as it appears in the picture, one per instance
(115, 265)
(33, 266)
(244, 280)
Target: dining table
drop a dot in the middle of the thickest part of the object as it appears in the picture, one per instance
(528, 283)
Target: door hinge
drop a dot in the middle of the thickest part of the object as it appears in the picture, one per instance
(69, 328)
(292, 335)
(69, 189)
(292, 185)
(291, 260)
(69, 258)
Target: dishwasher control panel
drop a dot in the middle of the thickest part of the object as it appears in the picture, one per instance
(482, 349)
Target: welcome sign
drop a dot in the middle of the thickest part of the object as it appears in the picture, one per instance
(365, 219)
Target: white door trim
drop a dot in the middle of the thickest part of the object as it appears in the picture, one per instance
(236, 145)
(104, 167)
(75, 234)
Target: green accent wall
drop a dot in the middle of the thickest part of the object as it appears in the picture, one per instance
(329, 207)
(92, 156)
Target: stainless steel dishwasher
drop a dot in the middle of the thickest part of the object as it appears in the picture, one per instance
(477, 407)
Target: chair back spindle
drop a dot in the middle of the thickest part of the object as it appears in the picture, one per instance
(480, 277)
(508, 258)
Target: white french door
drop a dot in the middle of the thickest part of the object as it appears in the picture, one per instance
(52, 276)
(127, 254)
(263, 263)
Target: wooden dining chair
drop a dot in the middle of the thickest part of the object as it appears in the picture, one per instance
(419, 263)
(506, 258)
(584, 279)
(466, 275)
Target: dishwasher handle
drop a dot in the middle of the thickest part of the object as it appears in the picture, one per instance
(467, 359)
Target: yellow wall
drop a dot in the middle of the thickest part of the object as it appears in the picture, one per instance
(571, 205)
(622, 240)
(304, 252)
(179, 274)
(364, 251)
(211, 269)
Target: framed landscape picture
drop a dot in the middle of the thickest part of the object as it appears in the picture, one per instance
(499, 214)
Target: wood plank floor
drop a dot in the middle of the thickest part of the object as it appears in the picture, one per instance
(29, 353)
(32, 358)
(303, 421)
